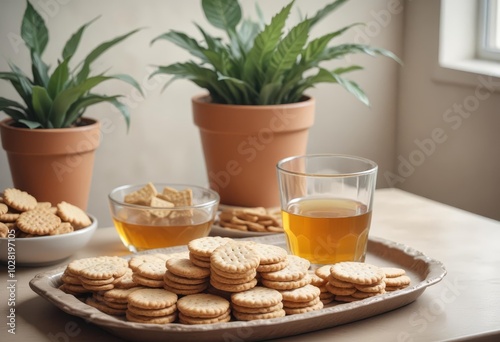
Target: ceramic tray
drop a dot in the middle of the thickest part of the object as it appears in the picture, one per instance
(422, 270)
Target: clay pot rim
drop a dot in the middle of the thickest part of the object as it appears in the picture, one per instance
(90, 123)
(205, 100)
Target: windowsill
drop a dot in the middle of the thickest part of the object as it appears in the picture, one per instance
(466, 72)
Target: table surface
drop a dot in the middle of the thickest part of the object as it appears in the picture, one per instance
(464, 305)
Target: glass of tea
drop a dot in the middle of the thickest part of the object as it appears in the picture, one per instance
(157, 215)
(326, 205)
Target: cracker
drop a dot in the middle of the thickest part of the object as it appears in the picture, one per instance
(147, 282)
(184, 319)
(185, 290)
(376, 288)
(151, 320)
(119, 295)
(185, 268)
(340, 291)
(339, 283)
(3, 208)
(203, 305)
(234, 287)
(234, 257)
(403, 280)
(9, 217)
(19, 200)
(295, 311)
(287, 285)
(257, 310)
(302, 294)
(270, 254)
(63, 228)
(160, 203)
(323, 271)
(152, 312)
(141, 196)
(204, 247)
(393, 272)
(72, 214)
(272, 267)
(152, 298)
(290, 304)
(296, 269)
(257, 297)
(357, 272)
(181, 198)
(182, 280)
(37, 222)
(103, 307)
(251, 317)
(4, 230)
(225, 280)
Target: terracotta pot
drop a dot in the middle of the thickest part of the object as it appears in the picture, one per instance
(242, 145)
(53, 165)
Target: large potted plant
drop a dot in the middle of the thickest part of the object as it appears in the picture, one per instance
(50, 145)
(256, 110)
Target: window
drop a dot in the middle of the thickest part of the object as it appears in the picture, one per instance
(462, 28)
(489, 30)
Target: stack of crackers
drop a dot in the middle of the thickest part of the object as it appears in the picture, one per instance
(220, 279)
(30, 218)
(258, 219)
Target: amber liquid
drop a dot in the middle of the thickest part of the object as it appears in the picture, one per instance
(141, 236)
(326, 231)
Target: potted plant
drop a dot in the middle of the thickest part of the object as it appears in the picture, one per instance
(49, 144)
(256, 109)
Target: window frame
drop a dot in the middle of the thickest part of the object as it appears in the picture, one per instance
(486, 24)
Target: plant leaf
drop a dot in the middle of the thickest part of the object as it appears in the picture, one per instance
(77, 108)
(42, 104)
(12, 108)
(73, 42)
(223, 14)
(287, 51)
(39, 69)
(58, 79)
(99, 50)
(325, 11)
(65, 99)
(184, 41)
(263, 47)
(33, 30)
(30, 123)
(22, 84)
(128, 79)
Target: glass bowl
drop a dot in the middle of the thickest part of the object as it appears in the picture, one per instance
(147, 224)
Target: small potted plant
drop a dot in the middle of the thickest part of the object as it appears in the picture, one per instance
(257, 110)
(49, 143)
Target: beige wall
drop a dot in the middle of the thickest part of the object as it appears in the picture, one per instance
(448, 139)
(163, 144)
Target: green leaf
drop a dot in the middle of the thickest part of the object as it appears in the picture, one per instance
(345, 49)
(33, 30)
(268, 93)
(223, 14)
(39, 69)
(99, 50)
(123, 109)
(67, 97)
(30, 123)
(58, 79)
(42, 104)
(322, 13)
(14, 113)
(264, 46)
(128, 79)
(184, 41)
(287, 51)
(4, 103)
(73, 42)
(21, 83)
(77, 108)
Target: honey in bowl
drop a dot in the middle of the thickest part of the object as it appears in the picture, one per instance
(327, 230)
(162, 215)
(141, 235)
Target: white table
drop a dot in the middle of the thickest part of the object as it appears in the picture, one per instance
(465, 305)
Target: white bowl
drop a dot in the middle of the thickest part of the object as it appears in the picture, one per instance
(45, 250)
